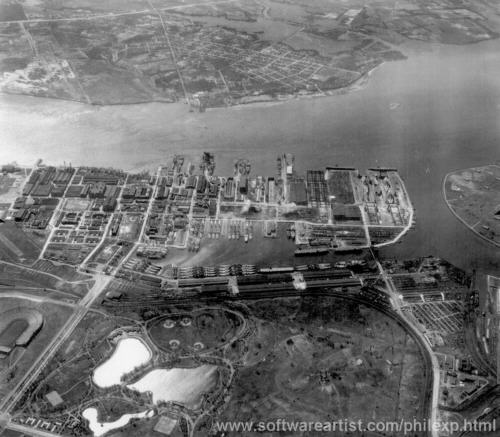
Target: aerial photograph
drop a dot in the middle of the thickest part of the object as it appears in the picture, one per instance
(269, 218)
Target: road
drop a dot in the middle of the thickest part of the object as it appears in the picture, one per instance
(396, 303)
(40, 299)
(431, 384)
(58, 211)
(99, 245)
(321, 288)
(315, 287)
(144, 224)
(113, 14)
(172, 52)
(59, 278)
(10, 400)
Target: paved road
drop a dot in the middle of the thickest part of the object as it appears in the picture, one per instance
(172, 52)
(59, 278)
(10, 400)
(143, 227)
(112, 15)
(396, 303)
(40, 299)
(431, 383)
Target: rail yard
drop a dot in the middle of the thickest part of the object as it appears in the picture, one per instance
(214, 282)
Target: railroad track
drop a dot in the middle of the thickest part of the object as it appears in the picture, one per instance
(313, 290)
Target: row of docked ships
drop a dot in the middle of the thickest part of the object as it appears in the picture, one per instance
(188, 272)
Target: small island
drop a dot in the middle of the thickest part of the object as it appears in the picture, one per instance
(473, 196)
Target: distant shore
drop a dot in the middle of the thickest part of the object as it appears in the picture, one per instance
(249, 101)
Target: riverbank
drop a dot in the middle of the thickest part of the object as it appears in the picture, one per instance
(447, 118)
(263, 99)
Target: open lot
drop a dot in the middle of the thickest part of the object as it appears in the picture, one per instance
(19, 245)
(43, 279)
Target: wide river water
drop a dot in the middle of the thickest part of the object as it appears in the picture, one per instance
(436, 112)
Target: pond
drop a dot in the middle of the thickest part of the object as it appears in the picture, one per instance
(184, 386)
(101, 428)
(129, 354)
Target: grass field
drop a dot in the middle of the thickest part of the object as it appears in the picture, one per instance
(18, 245)
(54, 318)
(69, 371)
(319, 359)
(195, 331)
(300, 359)
(65, 272)
(19, 276)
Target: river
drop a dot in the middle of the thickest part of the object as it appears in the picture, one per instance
(436, 112)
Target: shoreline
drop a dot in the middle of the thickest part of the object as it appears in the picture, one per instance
(358, 84)
(467, 225)
(263, 100)
(408, 227)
